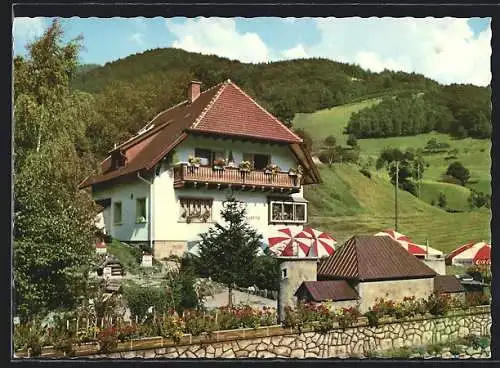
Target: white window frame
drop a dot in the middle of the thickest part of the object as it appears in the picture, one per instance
(114, 213)
(294, 220)
(137, 215)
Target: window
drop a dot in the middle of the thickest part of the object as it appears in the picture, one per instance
(140, 210)
(284, 274)
(290, 212)
(117, 213)
(258, 161)
(195, 210)
(204, 154)
(208, 156)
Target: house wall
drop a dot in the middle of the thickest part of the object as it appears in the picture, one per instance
(298, 270)
(437, 264)
(394, 290)
(280, 155)
(126, 193)
(171, 234)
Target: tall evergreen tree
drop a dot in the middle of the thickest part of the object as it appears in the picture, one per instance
(228, 252)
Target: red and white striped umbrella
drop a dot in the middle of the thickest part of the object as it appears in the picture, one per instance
(407, 243)
(471, 253)
(282, 243)
(394, 234)
(320, 244)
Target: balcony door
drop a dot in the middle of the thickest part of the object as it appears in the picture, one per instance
(259, 161)
(207, 156)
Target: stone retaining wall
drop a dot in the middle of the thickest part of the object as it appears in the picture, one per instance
(286, 343)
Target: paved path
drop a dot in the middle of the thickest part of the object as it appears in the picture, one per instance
(220, 300)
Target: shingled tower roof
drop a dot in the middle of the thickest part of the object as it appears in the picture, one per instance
(370, 258)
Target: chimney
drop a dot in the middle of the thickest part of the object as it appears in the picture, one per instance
(194, 91)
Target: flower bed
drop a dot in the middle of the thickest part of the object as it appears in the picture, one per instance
(110, 334)
(222, 324)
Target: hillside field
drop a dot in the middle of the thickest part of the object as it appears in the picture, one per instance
(474, 154)
(349, 203)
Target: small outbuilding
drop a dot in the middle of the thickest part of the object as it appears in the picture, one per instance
(337, 291)
(378, 267)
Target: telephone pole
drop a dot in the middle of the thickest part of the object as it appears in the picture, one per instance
(418, 180)
(396, 197)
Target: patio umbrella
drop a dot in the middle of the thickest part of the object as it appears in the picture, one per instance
(320, 243)
(409, 245)
(394, 234)
(282, 243)
(471, 253)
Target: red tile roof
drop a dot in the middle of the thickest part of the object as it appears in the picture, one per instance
(233, 112)
(335, 290)
(447, 284)
(221, 110)
(370, 258)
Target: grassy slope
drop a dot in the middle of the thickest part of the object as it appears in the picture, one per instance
(330, 121)
(360, 205)
(456, 196)
(125, 254)
(472, 153)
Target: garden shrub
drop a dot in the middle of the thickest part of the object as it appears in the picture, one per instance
(472, 300)
(346, 317)
(30, 335)
(172, 326)
(140, 299)
(438, 304)
(434, 349)
(107, 339)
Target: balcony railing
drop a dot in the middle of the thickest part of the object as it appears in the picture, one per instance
(233, 177)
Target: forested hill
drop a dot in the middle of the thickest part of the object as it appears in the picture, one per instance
(130, 91)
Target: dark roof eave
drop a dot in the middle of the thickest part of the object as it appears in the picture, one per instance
(241, 136)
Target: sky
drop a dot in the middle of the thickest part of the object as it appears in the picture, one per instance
(448, 50)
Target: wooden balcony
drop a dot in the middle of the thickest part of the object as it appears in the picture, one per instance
(207, 177)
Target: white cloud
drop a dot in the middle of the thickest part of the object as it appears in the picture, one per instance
(444, 49)
(289, 20)
(218, 36)
(137, 38)
(26, 29)
(296, 52)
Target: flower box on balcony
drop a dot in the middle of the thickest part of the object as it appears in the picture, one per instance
(272, 169)
(194, 161)
(245, 166)
(218, 164)
(296, 172)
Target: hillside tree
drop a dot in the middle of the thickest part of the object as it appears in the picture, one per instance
(459, 172)
(442, 202)
(410, 167)
(53, 219)
(228, 251)
(330, 150)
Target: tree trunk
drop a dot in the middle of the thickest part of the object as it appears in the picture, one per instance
(230, 296)
(38, 141)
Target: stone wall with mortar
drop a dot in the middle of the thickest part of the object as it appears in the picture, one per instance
(278, 342)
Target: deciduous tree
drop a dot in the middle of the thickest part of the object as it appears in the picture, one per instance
(53, 219)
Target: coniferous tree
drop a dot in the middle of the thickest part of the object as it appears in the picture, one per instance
(228, 251)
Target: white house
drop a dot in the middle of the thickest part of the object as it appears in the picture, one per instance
(167, 184)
